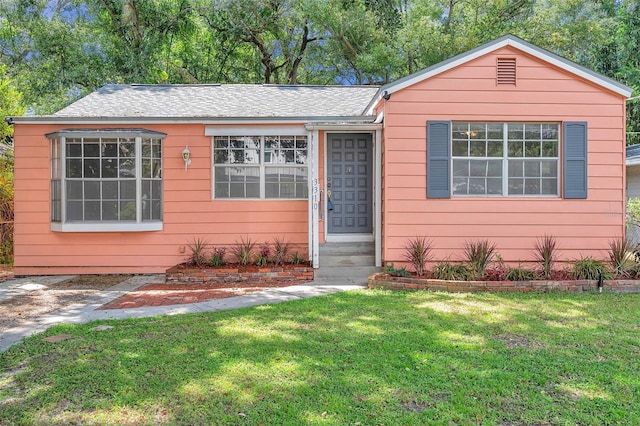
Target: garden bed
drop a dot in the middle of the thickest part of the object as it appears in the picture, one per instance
(232, 273)
(386, 281)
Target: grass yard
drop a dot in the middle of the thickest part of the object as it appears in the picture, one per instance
(355, 358)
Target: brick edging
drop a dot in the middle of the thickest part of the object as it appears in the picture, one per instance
(384, 281)
(264, 276)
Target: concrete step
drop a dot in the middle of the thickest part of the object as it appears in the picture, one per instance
(348, 273)
(346, 260)
(339, 249)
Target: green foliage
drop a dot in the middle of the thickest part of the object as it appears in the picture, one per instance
(452, 272)
(6, 207)
(546, 253)
(588, 268)
(216, 259)
(479, 254)
(521, 274)
(281, 250)
(262, 258)
(417, 252)
(391, 270)
(621, 257)
(198, 248)
(633, 211)
(298, 258)
(243, 250)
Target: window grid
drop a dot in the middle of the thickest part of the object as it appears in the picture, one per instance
(101, 182)
(516, 159)
(260, 167)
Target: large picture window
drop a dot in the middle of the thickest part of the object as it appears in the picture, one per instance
(510, 159)
(106, 180)
(258, 167)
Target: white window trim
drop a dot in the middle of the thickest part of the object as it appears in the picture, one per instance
(88, 226)
(238, 132)
(505, 164)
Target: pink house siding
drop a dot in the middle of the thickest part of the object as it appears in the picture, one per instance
(189, 212)
(543, 93)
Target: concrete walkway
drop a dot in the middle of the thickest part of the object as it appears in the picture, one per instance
(85, 312)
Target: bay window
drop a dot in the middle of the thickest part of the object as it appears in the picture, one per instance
(106, 180)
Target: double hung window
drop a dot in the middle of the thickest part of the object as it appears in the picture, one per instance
(260, 167)
(505, 159)
(106, 180)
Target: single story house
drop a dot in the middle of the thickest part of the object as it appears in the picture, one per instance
(633, 171)
(507, 142)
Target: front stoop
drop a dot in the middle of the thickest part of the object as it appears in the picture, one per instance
(348, 262)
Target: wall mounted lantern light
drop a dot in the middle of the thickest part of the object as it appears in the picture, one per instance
(186, 156)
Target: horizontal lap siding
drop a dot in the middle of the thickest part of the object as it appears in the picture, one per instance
(469, 93)
(189, 213)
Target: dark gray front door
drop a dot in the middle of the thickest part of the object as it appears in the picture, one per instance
(349, 178)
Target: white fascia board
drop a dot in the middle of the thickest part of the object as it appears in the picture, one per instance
(634, 161)
(96, 121)
(349, 127)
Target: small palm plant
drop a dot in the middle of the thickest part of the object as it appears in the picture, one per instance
(243, 250)
(479, 255)
(620, 256)
(418, 253)
(546, 253)
(197, 251)
(280, 251)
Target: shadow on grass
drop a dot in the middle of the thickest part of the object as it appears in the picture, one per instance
(371, 357)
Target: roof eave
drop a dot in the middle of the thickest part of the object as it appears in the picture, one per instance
(52, 119)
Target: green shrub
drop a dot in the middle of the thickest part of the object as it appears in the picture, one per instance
(297, 258)
(588, 268)
(217, 256)
(621, 257)
(418, 253)
(545, 254)
(197, 251)
(452, 272)
(521, 274)
(479, 254)
(243, 250)
(391, 270)
(262, 258)
(280, 251)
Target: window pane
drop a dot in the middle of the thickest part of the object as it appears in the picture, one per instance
(460, 168)
(221, 190)
(532, 186)
(146, 148)
(550, 132)
(495, 131)
(91, 149)
(74, 169)
(460, 186)
(110, 210)
(477, 186)
(515, 131)
(516, 168)
(220, 156)
(92, 210)
(127, 210)
(516, 149)
(494, 149)
(550, 168)
(221, 142)
(92, 168)
(550, 186)
(127, 168)
(127, 149)
(478, 131)
(494, 168)
(478, 149)
(110, 190)
(146, 168)
(74, 149)
(460, 149)
(110, 148)
(532, 149)
(74, 190)
(109, 168)
(74, 210)
(92, 190)
(516, 186)
(549, 149)
(494, 186)
(128, 190)
(478, 168)
(532, 132)
(531, 169)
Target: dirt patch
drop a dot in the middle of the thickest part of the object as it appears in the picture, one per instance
(30, 304)
(513, 341)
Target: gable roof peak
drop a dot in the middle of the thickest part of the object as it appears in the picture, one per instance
(506, 40)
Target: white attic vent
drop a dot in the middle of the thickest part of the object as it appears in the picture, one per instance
(506, 71)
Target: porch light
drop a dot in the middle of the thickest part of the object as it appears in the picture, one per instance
(186, 156)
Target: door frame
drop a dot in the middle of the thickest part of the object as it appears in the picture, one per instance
(318, 206)
(346, 237)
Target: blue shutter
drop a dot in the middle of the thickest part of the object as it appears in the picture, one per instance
(575, 159)
(438, 159)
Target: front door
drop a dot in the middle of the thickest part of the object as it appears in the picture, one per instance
(350, 183)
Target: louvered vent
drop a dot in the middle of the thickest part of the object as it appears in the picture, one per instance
(506, 71)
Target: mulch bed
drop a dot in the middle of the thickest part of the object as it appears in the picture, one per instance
(180, 294)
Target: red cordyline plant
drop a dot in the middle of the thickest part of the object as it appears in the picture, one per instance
(418, 253)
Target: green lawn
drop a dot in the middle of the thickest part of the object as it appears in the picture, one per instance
(358, 358)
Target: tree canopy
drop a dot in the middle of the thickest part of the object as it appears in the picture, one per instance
(54, 51)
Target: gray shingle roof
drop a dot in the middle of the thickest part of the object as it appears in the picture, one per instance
(222, 101)
(633, 151)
